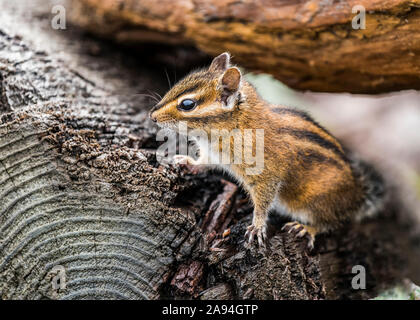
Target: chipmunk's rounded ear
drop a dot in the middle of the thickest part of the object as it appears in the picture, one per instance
(231, 79)
(220, 63)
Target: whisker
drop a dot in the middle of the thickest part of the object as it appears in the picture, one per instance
(147, 95)
(156, 94)
(169, 81)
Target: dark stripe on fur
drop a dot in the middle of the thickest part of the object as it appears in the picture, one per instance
(161, 104)
(311, 157)
(315, 138)
(301, 114)
(188, 90)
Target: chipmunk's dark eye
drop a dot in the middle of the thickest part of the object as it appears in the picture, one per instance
(187, 105)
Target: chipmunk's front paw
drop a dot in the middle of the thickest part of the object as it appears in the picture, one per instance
(301, 230)
(257, 230)
(183, 159)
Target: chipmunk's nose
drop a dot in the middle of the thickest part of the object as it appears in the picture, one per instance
(151, 115)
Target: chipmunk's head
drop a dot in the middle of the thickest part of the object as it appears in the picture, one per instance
(203, 98)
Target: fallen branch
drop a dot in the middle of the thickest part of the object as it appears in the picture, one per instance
(309, 45)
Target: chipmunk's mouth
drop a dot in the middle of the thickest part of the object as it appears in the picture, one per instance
(164, 122)
(168, 124)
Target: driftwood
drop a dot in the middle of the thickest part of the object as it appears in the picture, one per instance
(80, 189)
(309, 45)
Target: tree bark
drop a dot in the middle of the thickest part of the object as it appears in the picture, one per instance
(80, 189)
(309, 45)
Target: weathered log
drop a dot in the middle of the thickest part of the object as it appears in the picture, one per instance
(309, 45)
(80, 189)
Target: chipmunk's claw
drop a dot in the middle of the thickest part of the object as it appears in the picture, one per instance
(301, 230)
(260, 232)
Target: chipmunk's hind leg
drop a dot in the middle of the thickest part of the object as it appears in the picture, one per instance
(302, 230)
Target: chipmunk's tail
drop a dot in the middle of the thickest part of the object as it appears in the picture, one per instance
(374, 188)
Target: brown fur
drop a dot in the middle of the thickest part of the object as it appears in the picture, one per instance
(305, 168)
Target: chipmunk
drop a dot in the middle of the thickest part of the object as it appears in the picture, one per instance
(307, 174)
